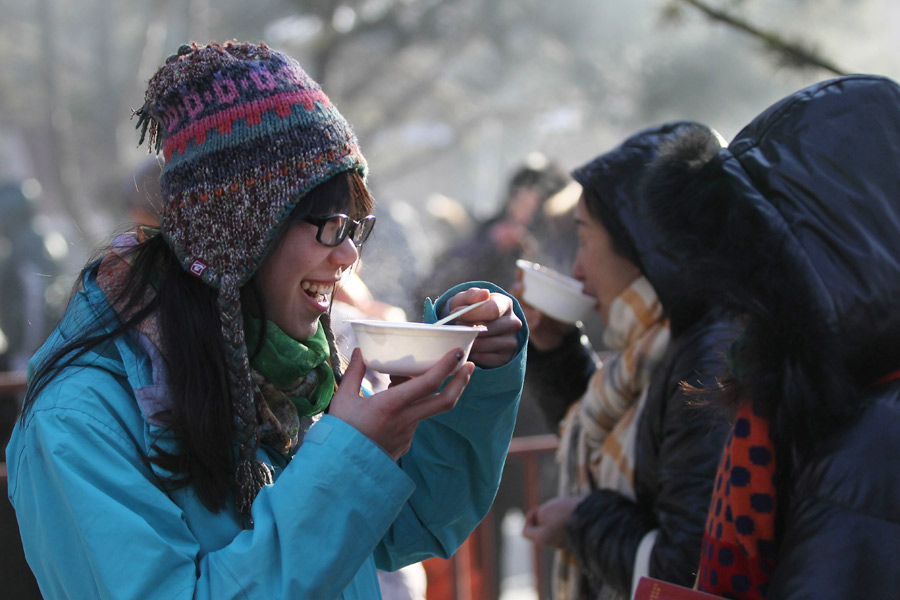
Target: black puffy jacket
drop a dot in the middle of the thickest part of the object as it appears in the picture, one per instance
(827, 162)
(678, 444)
(806, 203)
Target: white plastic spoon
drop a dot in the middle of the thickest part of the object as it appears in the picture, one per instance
(464, 309)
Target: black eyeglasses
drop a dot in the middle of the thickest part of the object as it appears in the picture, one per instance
(334, 229)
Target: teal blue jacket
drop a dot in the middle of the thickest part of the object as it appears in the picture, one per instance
(96, 522)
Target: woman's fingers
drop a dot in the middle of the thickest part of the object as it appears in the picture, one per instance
(547, 526)
(497, 345)
(344, 404)
(493, 351)
(497, 305)
(467, 297)
(444, 401)
(532, 527)
(427, 383)
(532, 315)
(390, 418)
(505, 325)
(403, 406)
(355, 371)
(517, 289)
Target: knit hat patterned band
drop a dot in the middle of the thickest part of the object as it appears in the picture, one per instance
(245, 134)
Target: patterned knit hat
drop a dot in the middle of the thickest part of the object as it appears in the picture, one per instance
(245, 134)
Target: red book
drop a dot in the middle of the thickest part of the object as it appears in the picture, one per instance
(654, 589)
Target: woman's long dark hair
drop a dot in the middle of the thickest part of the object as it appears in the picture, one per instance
(192, 344)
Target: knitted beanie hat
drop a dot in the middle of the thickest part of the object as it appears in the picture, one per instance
(245, 134)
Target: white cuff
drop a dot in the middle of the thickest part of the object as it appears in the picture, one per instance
(642, 559)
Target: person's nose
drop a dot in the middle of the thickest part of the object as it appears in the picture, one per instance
(577, 269)
(345, 254)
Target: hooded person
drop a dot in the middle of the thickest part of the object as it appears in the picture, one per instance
(189, 429)
(801, 212)
(636, 457)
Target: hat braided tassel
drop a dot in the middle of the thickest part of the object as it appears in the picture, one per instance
(251, 474)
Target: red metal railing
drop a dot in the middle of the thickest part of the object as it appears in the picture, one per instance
(18, 582)
(529, 450)
(470, 573)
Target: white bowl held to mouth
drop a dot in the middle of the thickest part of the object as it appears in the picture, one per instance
(556, 295)
(409, 349)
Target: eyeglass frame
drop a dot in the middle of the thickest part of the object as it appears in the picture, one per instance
(349, 229)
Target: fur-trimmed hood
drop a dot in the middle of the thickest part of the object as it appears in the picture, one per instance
(806, 199)
(611, 184)
(796, 227)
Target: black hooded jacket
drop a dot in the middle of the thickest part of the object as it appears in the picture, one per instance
(678, 444)
(803, 212)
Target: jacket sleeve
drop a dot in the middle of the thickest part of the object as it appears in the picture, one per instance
(576, 360)
(456, 459)
(95, 522)
(842, 531)
(679, 445)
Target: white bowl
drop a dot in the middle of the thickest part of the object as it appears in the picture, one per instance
(554, 294)
(410, 349)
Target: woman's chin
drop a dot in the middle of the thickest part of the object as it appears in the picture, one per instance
(300, 330)
(306, 332)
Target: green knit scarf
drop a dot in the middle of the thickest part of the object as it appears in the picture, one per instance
(294, 379)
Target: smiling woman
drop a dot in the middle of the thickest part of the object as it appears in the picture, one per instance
(192, 412)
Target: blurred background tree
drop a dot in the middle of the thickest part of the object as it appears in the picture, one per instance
(447, 96)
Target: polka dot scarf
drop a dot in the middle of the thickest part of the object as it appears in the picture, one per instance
(738, 552)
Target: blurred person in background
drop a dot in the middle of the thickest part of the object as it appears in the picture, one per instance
(636, 458)
(190, 430)
(29, 272)
(448, 221)
(27, 269)
(516, 231)
(802, 214)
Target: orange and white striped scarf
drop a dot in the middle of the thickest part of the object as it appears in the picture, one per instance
(598, 433)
